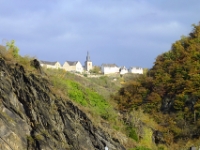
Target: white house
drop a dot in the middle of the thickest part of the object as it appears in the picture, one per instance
(109, 68)
(123, 70)
(75, 66)
(136, 70)
(53, 65)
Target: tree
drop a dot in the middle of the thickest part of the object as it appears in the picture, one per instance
(170, 87)
(96, 69)
(14, 49)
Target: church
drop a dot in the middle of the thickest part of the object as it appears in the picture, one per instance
(88, 63)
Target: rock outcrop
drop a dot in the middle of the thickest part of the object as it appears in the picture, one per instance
(32, 117)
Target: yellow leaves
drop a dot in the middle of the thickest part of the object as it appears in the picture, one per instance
(178, 104)
(154, 97)
(177, 48)
(197, 106)
(147, 137)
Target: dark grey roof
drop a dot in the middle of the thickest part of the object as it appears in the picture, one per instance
(72, 63)
(47, 62)
(123, 67)
(109, 65)
(88, 57)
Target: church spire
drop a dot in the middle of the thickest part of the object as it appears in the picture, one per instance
(88, 62)
(88, 57)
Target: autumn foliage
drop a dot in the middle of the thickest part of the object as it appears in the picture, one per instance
(170, 87)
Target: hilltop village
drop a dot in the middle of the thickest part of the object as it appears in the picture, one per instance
(76, 66)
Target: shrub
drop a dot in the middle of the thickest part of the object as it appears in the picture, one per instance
(14, 49)
(132, 133)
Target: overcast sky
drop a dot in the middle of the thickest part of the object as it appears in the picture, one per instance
(124, 32)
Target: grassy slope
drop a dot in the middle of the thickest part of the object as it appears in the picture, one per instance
(87, 92)
(93, 96)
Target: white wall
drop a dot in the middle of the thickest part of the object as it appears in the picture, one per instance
(108, 70)
(88, 65)
(123, 71)
(79, 67)
(136, 70)
(56, 66)
(66, 67)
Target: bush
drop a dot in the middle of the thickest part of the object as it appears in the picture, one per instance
(85, 75)
(132, 133)
(14, 49)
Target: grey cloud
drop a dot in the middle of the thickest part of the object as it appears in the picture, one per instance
(129, 29)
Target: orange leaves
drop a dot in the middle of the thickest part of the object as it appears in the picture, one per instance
(154, 97)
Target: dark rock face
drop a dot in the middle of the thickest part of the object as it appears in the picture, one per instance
(167, 105)
(33, 118)
(158, 137)
(36, 64)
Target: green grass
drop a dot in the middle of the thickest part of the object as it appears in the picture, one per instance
(104, 85)
(82, 95)
(131, 132)
(140, 148)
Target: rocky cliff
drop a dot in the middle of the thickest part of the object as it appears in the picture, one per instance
(32, 117)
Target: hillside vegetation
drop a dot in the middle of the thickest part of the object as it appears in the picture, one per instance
(92, 95)
(68, 99)
(51, 109)
(170, 93)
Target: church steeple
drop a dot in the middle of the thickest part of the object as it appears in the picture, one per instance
(88, 62)
(88, 57)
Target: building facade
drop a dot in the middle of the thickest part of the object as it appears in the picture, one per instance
(52, 65)
(123, 70)
(74, 66)
(136, 70)
(109, 68)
